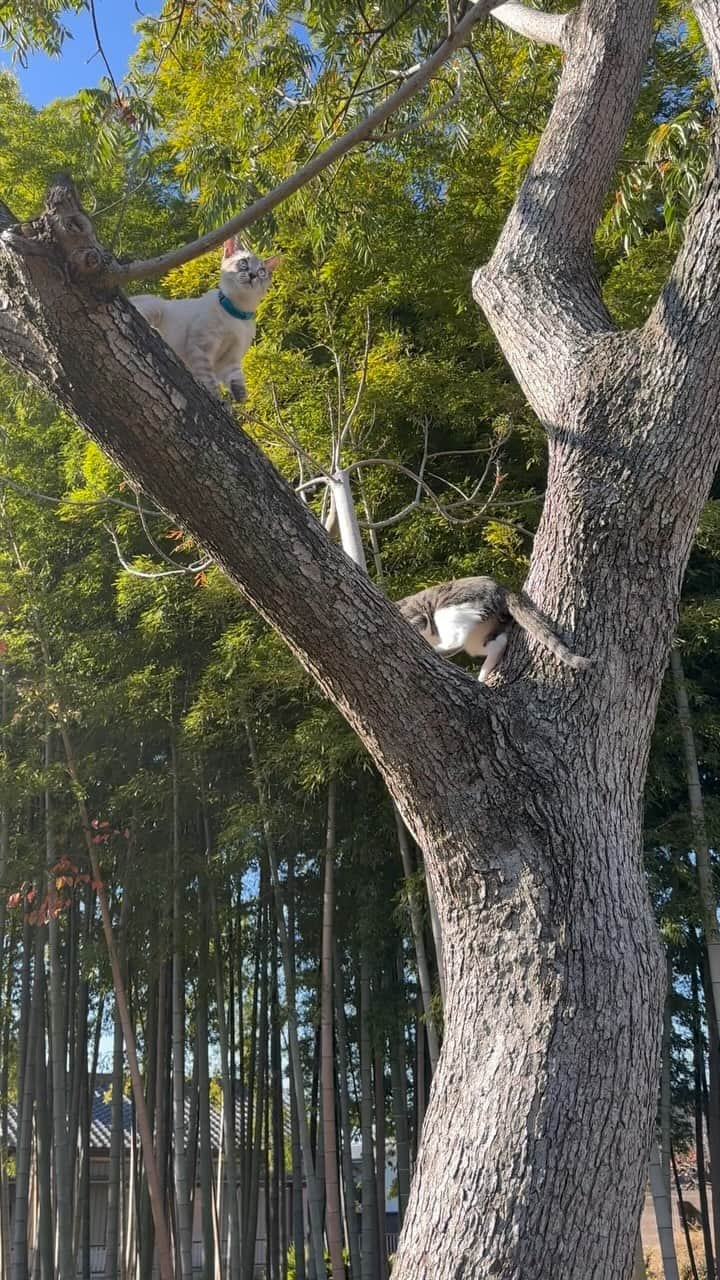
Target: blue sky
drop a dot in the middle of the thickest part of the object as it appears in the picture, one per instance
(76, 68)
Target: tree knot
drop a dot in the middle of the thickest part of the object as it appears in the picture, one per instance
(63, 231)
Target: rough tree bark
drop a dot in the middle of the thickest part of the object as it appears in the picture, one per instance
(525, 796)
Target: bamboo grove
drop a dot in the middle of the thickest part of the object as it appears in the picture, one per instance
(162, 757)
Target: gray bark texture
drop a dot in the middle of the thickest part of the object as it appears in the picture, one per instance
(525, 796)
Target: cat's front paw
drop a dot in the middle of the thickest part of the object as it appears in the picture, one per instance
(238, 391)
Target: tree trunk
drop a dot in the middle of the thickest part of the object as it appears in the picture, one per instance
(369, 1238)
(44, 1251)
(662, 1205)
(525, 796)
(298, 1225)
(4, 823)
(315, 1201)
(5, 1240)
(705, 877)
(639, 1272)
(63, 1185)
(713, 1114)
(255, 1131)
(419, 941)
(228, 1102)
(205, 1147)
(24, 1134)
(380, 1151)
(683, 1217)
(665, 1079)
(399, 1105)
(420, 1083)
(333, 1216)
(114, 1197)
(351, 1217)
(180, 1169)
(698, 1107)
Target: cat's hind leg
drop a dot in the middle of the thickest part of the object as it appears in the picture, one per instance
(494, 650)
(235, 383)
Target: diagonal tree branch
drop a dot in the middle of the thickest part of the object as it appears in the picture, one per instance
(685, 323)
(708, 15)
(360, 133)
(540, 285)
(144, 408)
(544, 28)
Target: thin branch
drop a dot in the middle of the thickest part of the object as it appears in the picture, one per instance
(145, 270)
(347, 428)
(101, 51)
(412, 126)
(543, 28)
(103, 501)
(155, 573)
(511, 120)
(287, 436)
(379, 36)
(191, 568)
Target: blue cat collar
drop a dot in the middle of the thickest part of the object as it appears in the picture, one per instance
(232, 310)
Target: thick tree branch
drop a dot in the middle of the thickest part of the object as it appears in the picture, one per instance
(539, 290)
(360, 133)
(708, 15)
(684, 327)
(544, 28)
(96, 356)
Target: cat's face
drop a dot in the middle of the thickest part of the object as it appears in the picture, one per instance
(245, 278)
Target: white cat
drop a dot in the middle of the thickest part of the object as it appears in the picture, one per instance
(213, 333)
(475, 614)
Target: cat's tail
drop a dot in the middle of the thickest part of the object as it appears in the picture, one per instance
(527, 617)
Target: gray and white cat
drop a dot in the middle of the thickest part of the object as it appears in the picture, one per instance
(213, 333)
(475, 614)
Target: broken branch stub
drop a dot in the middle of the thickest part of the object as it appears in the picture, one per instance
(64, 231)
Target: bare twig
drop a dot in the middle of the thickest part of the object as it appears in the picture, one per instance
(412, 126)
(511, 120)
(103, 500)
(198, 567)
(103, 55)
(348, 425)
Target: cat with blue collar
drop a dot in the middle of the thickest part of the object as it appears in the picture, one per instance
(213, 333)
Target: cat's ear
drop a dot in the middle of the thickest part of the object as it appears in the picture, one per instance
(230, 247)
(273, 263)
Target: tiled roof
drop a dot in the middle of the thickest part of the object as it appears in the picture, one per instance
(101, 1118)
